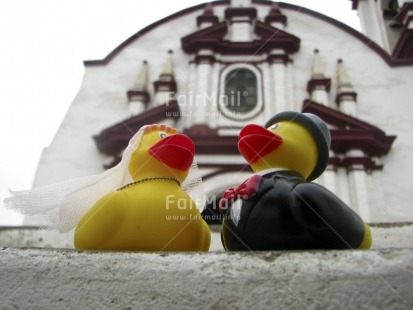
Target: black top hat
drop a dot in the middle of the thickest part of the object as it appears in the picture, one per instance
(318, 130)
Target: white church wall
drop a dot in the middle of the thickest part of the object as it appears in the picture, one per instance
(397, 177)
(342, 186)
(102, 101)
(384, 100)
(379, 210)
(73, 152)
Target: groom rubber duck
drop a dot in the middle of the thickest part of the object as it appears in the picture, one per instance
(279, 207)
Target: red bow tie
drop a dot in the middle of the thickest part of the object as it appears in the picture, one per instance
(244, 191)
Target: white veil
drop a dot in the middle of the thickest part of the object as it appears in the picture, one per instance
(64, 204)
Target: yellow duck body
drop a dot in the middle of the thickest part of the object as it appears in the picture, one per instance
(151, 214)
(137, 219)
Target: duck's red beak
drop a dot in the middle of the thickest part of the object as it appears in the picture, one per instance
(255, 142)
(176, 151)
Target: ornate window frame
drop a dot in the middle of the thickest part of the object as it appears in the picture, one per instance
(223, 100)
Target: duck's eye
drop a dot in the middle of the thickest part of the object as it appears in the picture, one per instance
(162, 135)
(275, 126)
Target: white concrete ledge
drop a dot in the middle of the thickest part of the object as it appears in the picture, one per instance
(385, 235)
(47, 278)
(69, 279)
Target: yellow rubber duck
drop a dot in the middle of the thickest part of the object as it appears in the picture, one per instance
(279, 207)
(152, 213)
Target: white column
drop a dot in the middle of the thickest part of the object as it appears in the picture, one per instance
(346, 96)
(357, 179)
(329, 179)
(372, 23)
(138, 96)
(269, 102)
(136, 107)
(240, 30)
(162, 97)
(377, 197)
(166, 83)
(343, 191)
(292, 104)
(214, 88)
(203, 93)
(279, 91)
(278, 60)
(319, 84)
(320, 96)
(187, 105)
(348, 106)
(358, 193)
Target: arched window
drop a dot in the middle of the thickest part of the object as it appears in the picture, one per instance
(241, 90)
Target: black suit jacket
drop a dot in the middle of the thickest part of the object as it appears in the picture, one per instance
(287, 212)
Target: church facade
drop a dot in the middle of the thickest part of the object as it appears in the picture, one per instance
(211, 69)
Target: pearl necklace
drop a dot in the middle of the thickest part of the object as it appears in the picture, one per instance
(150, 179)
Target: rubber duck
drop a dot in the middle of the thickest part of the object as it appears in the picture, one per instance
(152, 213)
(278, 207)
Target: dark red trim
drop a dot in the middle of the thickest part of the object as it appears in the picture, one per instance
(404, 47)
(346, 95)
(352, 163)
(205, 59)
(201, 130)
(232, 62)
(355, 4)
(212, 38)
(404, 11)
(165, 83)
(215, 145)
(232, 12)
(334, 162)
(351, 133)
(208, 16)
(278, 38)
(349, 163)
(113, 140)
(389, 14)
(207, 141)
(208, 38)
(249, 21)
(275, 15)
(370, 142)
(322, 84)
(279, 58)
(138, 95)
(334, 117)
(206, 19)
(276, 19)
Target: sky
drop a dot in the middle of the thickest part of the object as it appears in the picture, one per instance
(43, 46)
